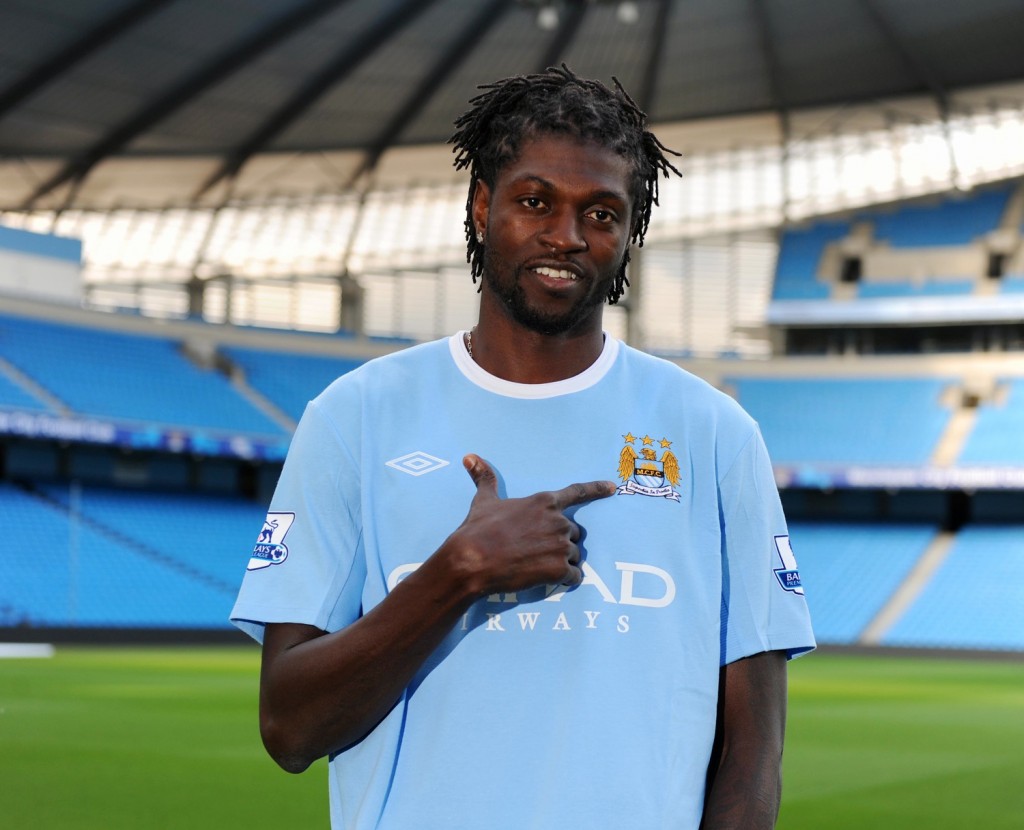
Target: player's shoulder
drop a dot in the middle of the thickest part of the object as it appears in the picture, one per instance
(393, 370)
(699, 396)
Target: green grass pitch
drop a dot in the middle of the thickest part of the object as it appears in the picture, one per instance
(164, 738)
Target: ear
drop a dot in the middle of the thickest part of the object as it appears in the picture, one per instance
(481, 206)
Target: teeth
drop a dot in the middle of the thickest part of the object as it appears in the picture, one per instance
(556, 274)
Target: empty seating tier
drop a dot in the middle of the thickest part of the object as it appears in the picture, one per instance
(860, 421)
(126, 377)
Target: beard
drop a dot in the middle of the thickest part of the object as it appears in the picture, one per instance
(504, 279)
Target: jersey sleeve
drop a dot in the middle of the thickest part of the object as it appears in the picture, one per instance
(763, 602)
(307, 564)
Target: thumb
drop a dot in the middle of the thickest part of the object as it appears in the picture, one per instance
(483, 477)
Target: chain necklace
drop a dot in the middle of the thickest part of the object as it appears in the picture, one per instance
(469, 344)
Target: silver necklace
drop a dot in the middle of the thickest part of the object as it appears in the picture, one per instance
(469, 344)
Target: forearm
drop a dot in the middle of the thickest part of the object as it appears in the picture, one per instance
(745, 774)
(321, 692)
(745, 793)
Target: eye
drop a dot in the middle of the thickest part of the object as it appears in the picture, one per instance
(533, 202)
(605, 217)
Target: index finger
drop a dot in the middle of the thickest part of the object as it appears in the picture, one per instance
(582, 492)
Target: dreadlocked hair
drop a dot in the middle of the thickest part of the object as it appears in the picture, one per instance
(488, 136)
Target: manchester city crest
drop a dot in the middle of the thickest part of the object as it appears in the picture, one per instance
(643, 473)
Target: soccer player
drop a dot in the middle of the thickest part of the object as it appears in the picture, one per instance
(458, 604)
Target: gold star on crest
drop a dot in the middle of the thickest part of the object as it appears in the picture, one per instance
(665, 443)
(648, 440)
(629, 437)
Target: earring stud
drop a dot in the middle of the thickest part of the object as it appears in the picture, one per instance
(480, 237)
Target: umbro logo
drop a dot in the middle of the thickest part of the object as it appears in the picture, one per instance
(417, 463)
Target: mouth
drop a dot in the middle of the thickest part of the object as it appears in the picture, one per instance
(556, 275)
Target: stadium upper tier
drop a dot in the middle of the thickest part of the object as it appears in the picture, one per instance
(113, 375)
(931, 249)
(957, 221)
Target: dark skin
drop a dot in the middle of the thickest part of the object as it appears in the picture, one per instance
(556, 227)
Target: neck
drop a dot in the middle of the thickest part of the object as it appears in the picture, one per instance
(506, 350)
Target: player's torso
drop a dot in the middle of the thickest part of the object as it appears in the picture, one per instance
(649, 550)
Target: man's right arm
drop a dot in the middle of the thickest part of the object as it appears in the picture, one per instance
(321, 692)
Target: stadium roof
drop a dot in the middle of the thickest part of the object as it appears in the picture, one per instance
(91, 90)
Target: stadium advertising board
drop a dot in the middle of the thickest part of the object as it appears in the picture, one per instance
(141, 436)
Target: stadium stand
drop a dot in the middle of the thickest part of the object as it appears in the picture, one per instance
(12, 395)
(812, 420)
(63, 569)
(116, 375)
(170, 525)
(850, 569)
(149, 536)
(975, 600)
(800, 252)
(288, 380)
(926, 288)
(954, 221)
(997, 434)
(916, 250)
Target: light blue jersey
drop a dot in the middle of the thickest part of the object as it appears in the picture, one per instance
(592, 707)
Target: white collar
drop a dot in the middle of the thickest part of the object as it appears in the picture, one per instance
(577, 383)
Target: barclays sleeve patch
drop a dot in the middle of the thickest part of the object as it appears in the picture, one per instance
(270, 548)
(788, 575)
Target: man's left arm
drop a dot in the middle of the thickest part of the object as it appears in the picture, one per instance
(745, 774)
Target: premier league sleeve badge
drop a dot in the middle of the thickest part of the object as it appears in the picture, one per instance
(270, 548)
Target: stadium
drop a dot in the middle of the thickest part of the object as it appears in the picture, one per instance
(210, 210)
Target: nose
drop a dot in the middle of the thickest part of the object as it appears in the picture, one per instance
(563, 232)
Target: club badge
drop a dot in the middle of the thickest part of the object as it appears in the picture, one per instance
(643, 473)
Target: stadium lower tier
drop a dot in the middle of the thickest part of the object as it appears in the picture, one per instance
(913, 586)
(92, 557)
(103, 558)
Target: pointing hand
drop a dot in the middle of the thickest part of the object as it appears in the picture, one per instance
(513, 544)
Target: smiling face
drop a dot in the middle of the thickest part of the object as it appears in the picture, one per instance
(556, 228)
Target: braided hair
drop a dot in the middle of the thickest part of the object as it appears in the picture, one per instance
(488, 136)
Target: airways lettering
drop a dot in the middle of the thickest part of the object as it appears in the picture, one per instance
(535, 620)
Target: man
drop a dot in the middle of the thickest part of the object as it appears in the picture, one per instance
(532, 645)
